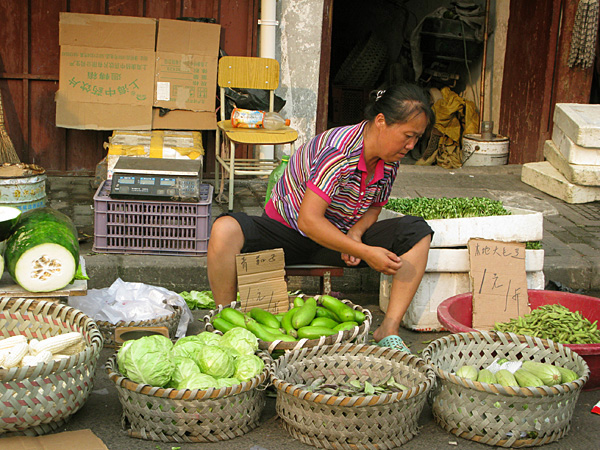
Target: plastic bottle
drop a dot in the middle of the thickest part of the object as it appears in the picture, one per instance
(248, 118)
(276, 175)
(273, 121)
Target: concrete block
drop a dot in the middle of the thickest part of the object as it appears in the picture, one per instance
(543, 176)
(436, 287)
(584, 175)
(457, 260)
(573, 153)
(580, 122)
(521, 225)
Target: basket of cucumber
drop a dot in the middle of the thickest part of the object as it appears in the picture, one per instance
(504, 389)
(351, 396)
(310, 321)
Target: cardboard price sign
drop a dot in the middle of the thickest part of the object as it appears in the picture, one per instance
(498, 280)
(261, 281)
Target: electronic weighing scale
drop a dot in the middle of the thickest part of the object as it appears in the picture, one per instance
(157, 179)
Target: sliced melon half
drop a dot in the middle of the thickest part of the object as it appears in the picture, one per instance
(9, 217)
(42, 254)
(45, 268)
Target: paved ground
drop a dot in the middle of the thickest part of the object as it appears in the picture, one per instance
(571, 242)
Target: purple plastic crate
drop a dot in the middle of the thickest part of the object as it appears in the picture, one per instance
(151, 227)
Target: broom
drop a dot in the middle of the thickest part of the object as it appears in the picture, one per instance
(8, 153)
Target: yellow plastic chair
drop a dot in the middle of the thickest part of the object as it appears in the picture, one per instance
(246, 73)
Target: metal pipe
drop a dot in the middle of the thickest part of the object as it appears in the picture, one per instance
(483, 64)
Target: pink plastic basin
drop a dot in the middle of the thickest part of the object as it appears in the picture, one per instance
(456, 315)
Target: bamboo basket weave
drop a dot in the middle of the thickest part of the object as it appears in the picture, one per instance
(493, 414)
(357, 335)
(171, 321)
(359, 422)
(40, 399)
(190, 415)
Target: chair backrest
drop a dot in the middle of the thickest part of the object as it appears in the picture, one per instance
(248, 72)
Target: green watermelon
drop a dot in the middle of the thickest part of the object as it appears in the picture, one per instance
(42, 253)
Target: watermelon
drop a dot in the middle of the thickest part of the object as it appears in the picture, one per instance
(42, 253)
(9, 217)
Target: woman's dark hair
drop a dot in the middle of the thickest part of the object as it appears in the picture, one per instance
(400, 103)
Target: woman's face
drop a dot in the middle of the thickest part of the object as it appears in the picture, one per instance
(395, 141)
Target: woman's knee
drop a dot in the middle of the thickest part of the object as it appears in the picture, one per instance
(226, 231)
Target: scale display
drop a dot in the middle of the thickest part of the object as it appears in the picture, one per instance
(157, 178)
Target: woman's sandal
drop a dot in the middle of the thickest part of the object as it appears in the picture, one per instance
(394, 342)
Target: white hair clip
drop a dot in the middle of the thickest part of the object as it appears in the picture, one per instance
(379, 94)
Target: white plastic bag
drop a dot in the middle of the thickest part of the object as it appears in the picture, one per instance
(132, 302)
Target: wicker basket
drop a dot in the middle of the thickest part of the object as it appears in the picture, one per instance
(357, 334)
(186, 415)
(358, 422)
(497, 415)
(52, 391)
(171, 321)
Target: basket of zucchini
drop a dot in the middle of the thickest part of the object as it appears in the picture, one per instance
(504, 389)
(351, 396)
(310, 321)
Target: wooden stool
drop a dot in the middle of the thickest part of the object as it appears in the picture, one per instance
(315, 270)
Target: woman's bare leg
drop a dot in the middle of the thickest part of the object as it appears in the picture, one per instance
(226, 241)
(404, 286)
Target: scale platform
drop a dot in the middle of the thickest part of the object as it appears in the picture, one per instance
(157, 179)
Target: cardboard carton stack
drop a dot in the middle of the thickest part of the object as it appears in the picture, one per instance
(136, 73)
(571, 171)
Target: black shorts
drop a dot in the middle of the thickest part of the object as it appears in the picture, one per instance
(398, 235)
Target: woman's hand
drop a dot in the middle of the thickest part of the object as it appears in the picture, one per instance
(384, 261)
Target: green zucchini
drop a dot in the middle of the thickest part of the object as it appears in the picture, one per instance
(42, 253)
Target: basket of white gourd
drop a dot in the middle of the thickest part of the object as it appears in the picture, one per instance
(48, 355)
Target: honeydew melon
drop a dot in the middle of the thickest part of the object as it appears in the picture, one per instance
(42, 253)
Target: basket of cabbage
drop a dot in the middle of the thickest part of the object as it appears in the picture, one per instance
(201, 388)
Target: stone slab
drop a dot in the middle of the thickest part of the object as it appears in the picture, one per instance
(584, 175)
(544, 177)
(580, 122)
(436, 287)
(573, 153)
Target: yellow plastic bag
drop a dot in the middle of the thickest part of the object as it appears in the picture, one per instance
(455, 117)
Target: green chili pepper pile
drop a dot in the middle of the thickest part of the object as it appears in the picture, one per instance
(447, 208)
(555, 322)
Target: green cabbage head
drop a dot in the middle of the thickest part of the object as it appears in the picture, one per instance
(215, 361)
(248, 366)
(241, 340)
(147, 360)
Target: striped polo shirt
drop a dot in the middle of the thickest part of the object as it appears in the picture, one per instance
(332, 165)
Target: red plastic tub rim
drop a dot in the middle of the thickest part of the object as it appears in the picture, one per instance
(456, 313)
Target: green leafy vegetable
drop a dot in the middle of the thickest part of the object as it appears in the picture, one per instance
(199, 299)
(447, 208)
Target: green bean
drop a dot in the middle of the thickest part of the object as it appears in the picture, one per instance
(555, 322)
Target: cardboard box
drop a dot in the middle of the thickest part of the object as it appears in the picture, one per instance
(106, 76)
(153, 144)
(68, 440)
(117, 71)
